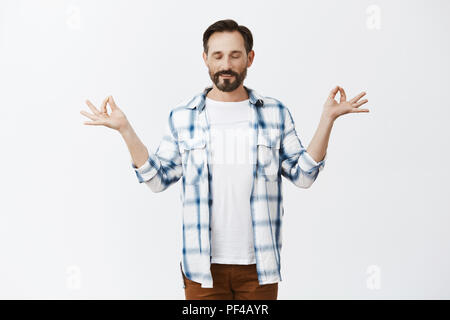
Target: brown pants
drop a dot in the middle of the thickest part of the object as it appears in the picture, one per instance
(231, 282)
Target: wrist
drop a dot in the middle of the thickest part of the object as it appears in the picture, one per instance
(126, 129)
(327, 118)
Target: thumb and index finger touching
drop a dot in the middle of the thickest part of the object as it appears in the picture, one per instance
(112, 103)
(335, 90)
(108, 100)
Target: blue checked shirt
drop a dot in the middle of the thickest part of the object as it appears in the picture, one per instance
(184, 153)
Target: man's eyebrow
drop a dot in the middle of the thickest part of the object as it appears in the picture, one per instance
(234, 51)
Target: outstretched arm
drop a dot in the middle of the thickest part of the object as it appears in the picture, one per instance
(119, 122)
(157, 170)
(301, 165)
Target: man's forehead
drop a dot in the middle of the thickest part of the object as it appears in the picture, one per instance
(226, 41)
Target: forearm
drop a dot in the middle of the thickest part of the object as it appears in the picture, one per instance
(138, 150)
(319, 143)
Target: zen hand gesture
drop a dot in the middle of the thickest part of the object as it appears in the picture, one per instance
(116, 120)
(335, 109)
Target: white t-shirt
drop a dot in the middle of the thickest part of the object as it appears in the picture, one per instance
(232, 176)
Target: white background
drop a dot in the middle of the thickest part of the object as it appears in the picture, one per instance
(76, 224)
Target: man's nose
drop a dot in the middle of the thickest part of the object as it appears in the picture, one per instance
(227, 64)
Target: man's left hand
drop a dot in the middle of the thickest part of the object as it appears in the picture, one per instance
(334, 109)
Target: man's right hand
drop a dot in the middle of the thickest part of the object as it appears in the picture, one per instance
(116, 120)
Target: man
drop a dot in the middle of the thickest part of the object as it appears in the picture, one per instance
(230, 145)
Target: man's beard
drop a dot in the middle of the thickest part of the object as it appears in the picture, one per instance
(228, 84)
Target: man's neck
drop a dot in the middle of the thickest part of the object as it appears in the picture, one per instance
(239, 94)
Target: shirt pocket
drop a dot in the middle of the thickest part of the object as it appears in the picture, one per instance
(193, 159)
(268, 149)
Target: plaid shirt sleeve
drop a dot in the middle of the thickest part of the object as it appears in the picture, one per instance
(162, 168)
(296, 164)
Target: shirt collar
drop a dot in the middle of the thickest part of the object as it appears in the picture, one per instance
(199, 101)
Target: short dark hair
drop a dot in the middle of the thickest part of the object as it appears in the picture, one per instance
(228, 25)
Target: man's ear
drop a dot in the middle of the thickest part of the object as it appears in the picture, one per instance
(204, 56)
(250, 57)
